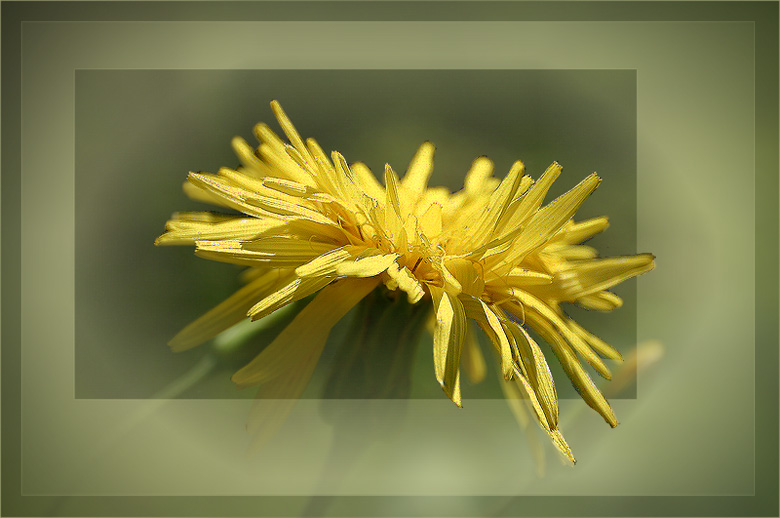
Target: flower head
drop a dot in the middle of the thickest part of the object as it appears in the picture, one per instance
(491, 253)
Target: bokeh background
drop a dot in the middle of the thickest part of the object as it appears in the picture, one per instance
(690, 436)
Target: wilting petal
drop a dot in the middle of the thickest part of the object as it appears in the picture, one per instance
(519, 407)
(448, 341)
(486, 318)
(537, 371)
(546, 313)
(582, 382)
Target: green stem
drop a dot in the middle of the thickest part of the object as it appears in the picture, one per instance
(186, 381)
(173, 390)
(374, 363)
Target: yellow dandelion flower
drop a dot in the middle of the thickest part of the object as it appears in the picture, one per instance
(492, 253)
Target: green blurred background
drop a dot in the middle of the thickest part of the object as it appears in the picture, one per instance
(691, 429)
(139, 132)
